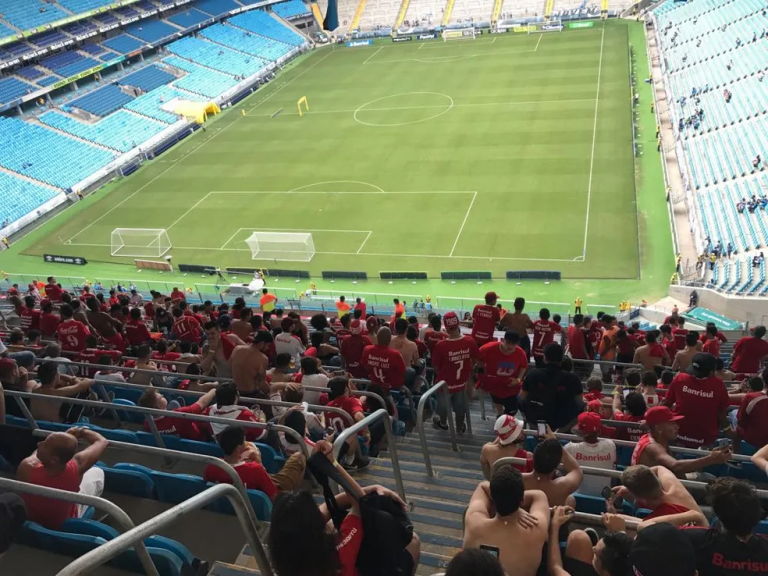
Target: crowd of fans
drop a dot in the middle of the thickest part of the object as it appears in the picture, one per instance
(661, 389)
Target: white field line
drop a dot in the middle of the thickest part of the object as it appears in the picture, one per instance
(539, 42)
(290, 81)
(472, 105)
(224, 246)
(463, 222)
(364, 241)
(372, 55)
(195, 205)
(365, 192)
(594, 138)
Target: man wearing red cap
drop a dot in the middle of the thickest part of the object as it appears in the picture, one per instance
(385, 365)
(653, 448)
(485, 317)
(593, 452)
(702, 398)
(453, 359)
(505, 364)
(351, 348)
(508, 444)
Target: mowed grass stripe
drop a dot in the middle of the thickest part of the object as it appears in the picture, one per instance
(519, 133)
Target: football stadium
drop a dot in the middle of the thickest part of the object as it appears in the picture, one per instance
(378, 287)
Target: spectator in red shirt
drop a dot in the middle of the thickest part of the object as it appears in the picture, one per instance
(245, 458)
(71, 333)
(702, 399)
(485, 317)
(679, 333)
(226, 406)
(504, 366)
(749, 352)
(751, 420)
(453, 360)
(385, 365)
(177, 294)
(668, 342)
(186, 328)
(181, 427)
(711, 341)
(136, 332)
(434, 334)
(578, 347)
(351, 348)
(350, 455)
(49, 321)
(52, 290)
(30, 318)
(652, 354)
(544, 331)
(360, 305)
(634, 411)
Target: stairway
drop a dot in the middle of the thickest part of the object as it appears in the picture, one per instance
(401, 13)
(358, 15)
(437, 504)
(549, 6)
(496, 10)
(447, 12)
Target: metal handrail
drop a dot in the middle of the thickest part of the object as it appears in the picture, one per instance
(166, 413)
(420, 422)
(363, 393)
(610, 473)
(605, 363)
(162, 373)
(88, 562)
(121, 519)
(380, 414)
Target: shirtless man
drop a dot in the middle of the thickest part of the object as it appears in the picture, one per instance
(518, 321)
(684, 357)
(408, 349)
(54, 384)
(218, 350)
(241, 327)
(249, 365)
(514, 521)
(144, 362)
(653, 448)
(547, 457)
(651, 354)
(107, 327)
(662, 492)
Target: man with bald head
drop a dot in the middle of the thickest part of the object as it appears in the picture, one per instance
(385, 365)
(57, 464)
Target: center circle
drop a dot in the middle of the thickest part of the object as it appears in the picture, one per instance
(412, 107)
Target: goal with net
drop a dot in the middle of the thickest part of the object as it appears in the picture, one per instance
(459, 34)
(289, 246)
(140, 242)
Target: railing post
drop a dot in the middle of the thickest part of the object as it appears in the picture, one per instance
(440, 387)
(467, 416)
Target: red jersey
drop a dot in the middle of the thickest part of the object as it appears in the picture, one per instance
(187, 329)
(181, 427)
(666, 509)
(576, 343)
(543, 333)
(670, 346)
(712, 346)
(30, 318)
(432, 337)
(501, 369)
(348, 544)
(253, 475)
(453, 360)
(49, 323)
(385, 366)
(351, 348)
(149, 310)
(72, 334)
(753, 419)
(92, 356)
(178, 295)
(748, 353)
(679, 335)
(46, 511)
(484, 320)
(720, 336)
(626, 432)
(363, 308)
(136, 332)
(641, 445)
(528, 456)
(350, 404)
(53, 292)
(700, 400)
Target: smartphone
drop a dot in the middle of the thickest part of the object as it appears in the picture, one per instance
(492, 550)
(626, 392)
(723, 442)
(607, 493)
(618, 503)
(541, 428)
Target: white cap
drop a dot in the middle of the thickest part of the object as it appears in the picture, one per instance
(508, 429)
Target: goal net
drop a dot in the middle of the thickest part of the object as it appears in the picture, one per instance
(459, 34)
(140, 242)
(290, 246)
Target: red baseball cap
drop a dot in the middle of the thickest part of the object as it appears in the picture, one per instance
(661, 415)
(491, 296)
(356, 327)
(451, 321)
(371, 323)
(589, 423)
(594, 406)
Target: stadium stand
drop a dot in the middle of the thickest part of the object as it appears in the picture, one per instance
(430, 12)
(30, 14)
(78, 6)
(151, 31)
(262, 23)
(49, 38)
(48, 80)
(290, 8)
(11, 88)
(92, 49)
(102, 101)
(200, 80)
(48, 156)
(30, 73)
(79, 27)
(20, 197)
(469, 11)
(216, 56)
(126, 12)
(216, 7)
(234, 38)
(147, 78)
(189, 18)
(68, 63)
(120, 131)
(6, 31)
(123, 44)
(150, 104)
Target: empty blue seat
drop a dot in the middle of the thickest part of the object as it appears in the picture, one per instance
(147, 78)
(216, 7)
(30, 13)
(176, 488)
(12, 88)
(260, 502)
(102, 101)
(123, 44)
(151, 30)
(189, 18)
(128, 482)
(290, 9)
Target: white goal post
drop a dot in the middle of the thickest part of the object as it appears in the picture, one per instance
(289, 246)
(459, 34)
(140, 242)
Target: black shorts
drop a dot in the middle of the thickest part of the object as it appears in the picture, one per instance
(577, 567)
(509, 404)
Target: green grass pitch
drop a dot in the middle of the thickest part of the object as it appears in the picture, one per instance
(506, 152)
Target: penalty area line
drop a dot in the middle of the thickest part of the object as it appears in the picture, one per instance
(472, 203)
(374, 54)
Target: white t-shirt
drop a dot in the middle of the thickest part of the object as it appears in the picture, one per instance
(287, 344)
(599, 455)
(651, 400)
(319, 380)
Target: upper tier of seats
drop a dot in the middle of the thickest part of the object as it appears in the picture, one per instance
(20, 197)
(262, 23)
(150, 103)
(78, 6)
(216, 56)
(290, 8)
(48, 156)
(151, 30)
(11, 88)
(189, 18)
(102, 101)
(243, 41)
(68, 63)
(27, 14)
(147, 78)
(216, 6)
(201, 80)
(123, 44)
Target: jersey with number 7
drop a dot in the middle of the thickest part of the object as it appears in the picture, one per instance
(453, 360)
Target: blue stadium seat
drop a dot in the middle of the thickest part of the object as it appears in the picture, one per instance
(147, 78)
(290, 9)
(200, 80)
(176, 488)
(260, 502)
(151, 30)
(123, 44)
(103, 101)
(216, 56)
(189, 18)
(20, 197)
(30, 73)
(78, 6)
(68, 63)
(12, 88)
(48, 38)
(30, 13)
(262, 23)
(216, 7)
(128, 482)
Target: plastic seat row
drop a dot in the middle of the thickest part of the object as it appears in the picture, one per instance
(149, 104)
(121, 131)
(200, 80)
(189, 18)
(12, 88)
(48, 156)
(30, 73)
(93, 49)
(151, 30)
(78, 6)
(290, 8)
(262, 23)
(50, 37)
(20, 197)
(147, 78)
(709, 17)
(68, 63)
(102, 101)
(238, 39)
(30, 13)
(216, 7)
(123, 44)
(216, 56)
(747, 61)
